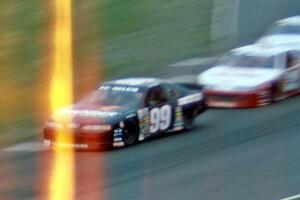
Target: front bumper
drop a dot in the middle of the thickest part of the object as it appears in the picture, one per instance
(77, 140)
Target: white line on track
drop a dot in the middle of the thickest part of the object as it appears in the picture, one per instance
(194, 62)
(184, 78)
(26, 147)
(292, 197)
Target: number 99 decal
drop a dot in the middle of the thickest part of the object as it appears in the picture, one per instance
(160, 118)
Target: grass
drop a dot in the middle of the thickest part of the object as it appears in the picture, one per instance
(112, 38)
(155, 34)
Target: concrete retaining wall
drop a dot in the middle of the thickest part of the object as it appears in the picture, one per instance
(239, 22)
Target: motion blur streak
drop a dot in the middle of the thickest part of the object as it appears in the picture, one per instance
(61, 184)
(90, 171)
(8, 95)
(86, 47)
(9, 89)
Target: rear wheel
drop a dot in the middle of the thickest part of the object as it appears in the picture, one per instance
(188, 122)
(276, 92)
(130, 135)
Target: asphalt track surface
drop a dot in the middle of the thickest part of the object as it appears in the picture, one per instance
(236, 154)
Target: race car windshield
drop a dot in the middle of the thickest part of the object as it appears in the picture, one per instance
(114, 96)
(247, 61)
(283, 29)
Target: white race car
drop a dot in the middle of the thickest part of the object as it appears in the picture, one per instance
(282, 33)
(252, 76)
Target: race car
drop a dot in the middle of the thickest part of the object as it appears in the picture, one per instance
(122, 112)
(252, 76)
(284, 32)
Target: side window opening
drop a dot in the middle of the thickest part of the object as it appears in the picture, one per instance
(172, 92)
(156, 96)
(291, 60)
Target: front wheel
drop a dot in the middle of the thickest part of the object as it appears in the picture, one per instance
(130, 135)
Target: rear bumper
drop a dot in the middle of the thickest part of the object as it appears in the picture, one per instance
(237, 99)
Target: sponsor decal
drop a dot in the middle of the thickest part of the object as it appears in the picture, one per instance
(118, 144)
(87, 113)
(178, 124)
(119, 88)
(190, 99)
(144, 121)
(61, 125)
(118, 138)
(118, 133)
(97, 127)
(49, 143)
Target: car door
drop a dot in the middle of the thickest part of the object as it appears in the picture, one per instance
(160, 109)
(291, 76)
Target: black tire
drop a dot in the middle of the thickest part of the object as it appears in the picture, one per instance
(275, 92)
(188, 122)
(273, 98)
(130, 135)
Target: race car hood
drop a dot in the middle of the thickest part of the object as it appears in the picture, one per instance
(237, 78)
(280, 40)
(92, 114)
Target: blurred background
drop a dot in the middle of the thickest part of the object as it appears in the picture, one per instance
(114, 38)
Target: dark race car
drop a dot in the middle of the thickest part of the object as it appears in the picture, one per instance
(122, 112)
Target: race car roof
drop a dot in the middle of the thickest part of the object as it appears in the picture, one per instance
(295, 20)
(261, 50)
(137, 82)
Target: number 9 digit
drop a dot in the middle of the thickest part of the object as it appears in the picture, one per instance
(154, 120)
(165, 117)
